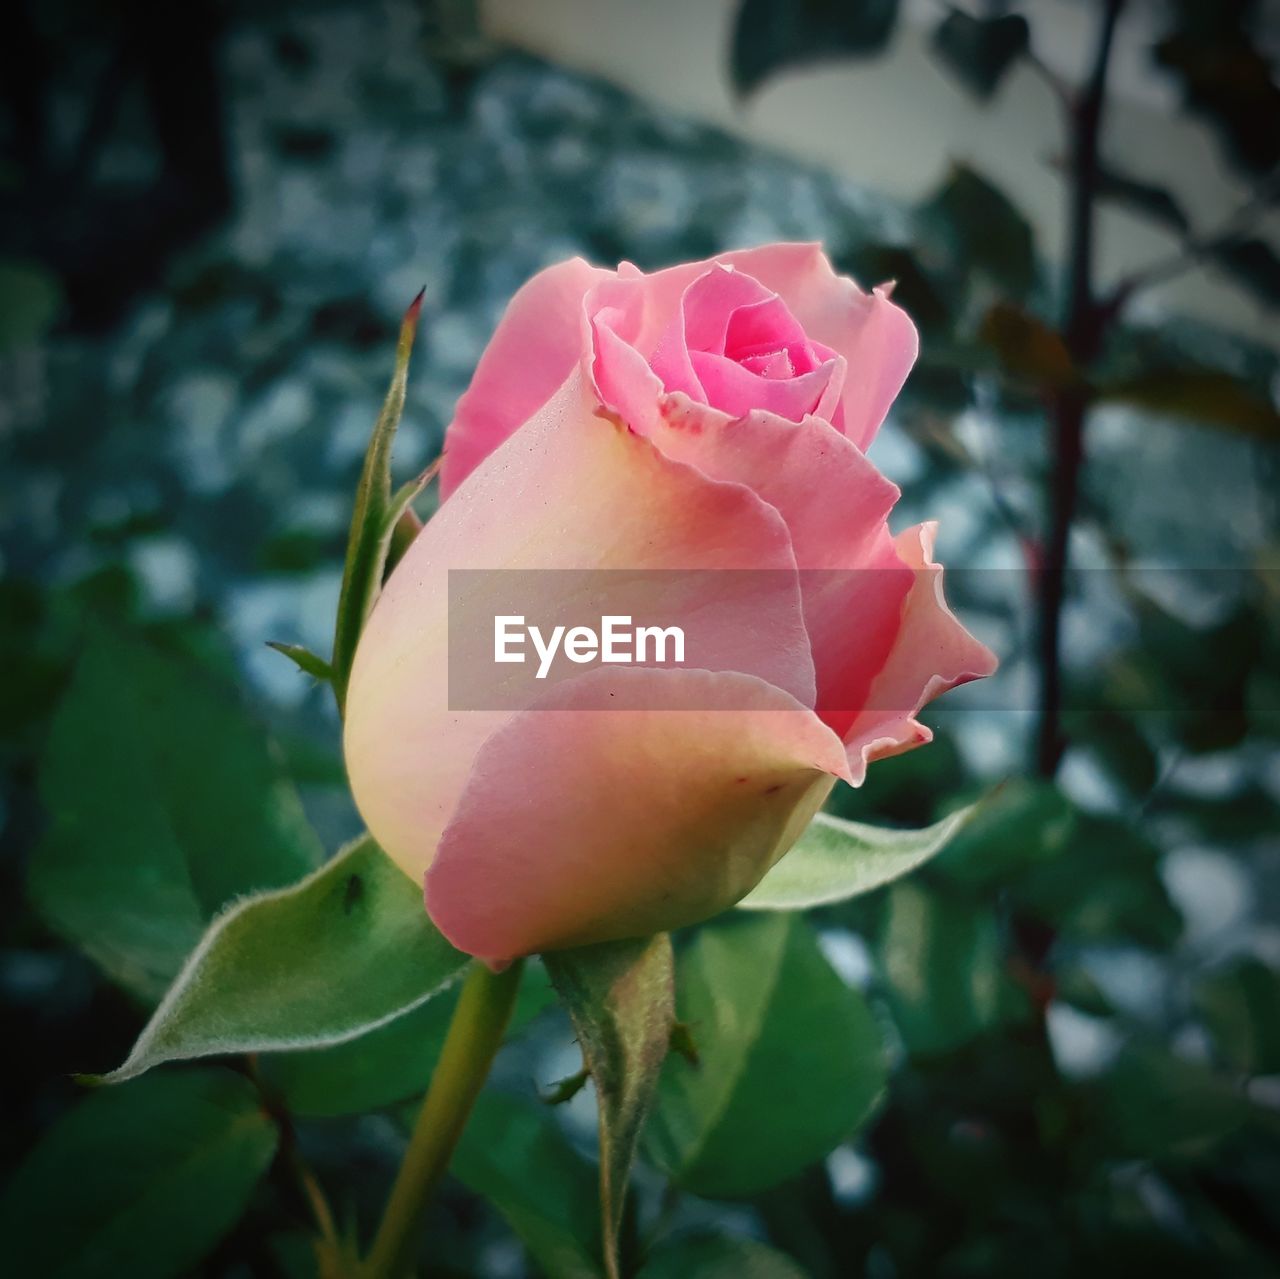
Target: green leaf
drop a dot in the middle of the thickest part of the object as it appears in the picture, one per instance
(389, 1064)
(1158, 1105)
(943, 964)
(791, 1060)
(139, 1181)
(1023, 823)
(513, 1153)
(1142, 197)
(774, 35)
(621, 1001)
(166, 803)
(304, 659)
(372, 521)
(1241, 1007)
(30, 299)
(1253, 264)
(981, 50)
(1106, 886)
(983, 230)
(836, 859)
(1206, 396)
(719, 1258)
(345, 951)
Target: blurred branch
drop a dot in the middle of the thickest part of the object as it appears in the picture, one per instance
(1082, 331)
(1195, 248)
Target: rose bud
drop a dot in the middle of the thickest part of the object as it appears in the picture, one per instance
(708, 419)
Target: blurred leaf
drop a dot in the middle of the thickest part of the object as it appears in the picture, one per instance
(1022, 823)
(981, 50)
(30, 299)
(1119, 746)
(165, 804)
(621, 1002)
(389, 1064)
(719, 1257)
(335, 956)
(1229, 82)
(1253, 264)
(943, 964)
(1241, 1007)
(1105, 887)
(139, 1181)
(513, 1153)
(774, 35)
(982, 229)
(1160, 1106)
(791, 1060)
(916, 288)
(835, 860)
(1199, 395)
(1153, 201)
(1027, 348)
(374, 517)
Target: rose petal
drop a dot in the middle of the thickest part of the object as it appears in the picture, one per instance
(568, 491)
(876, 337)
(595, 816)
(835, 503)
(537, 344)
(932, 653)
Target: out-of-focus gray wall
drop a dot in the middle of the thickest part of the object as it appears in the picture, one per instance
(894, 122)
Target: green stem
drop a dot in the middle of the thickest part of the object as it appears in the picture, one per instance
(475, 1034)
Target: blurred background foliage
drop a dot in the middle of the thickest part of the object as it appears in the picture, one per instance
(1057, 1048)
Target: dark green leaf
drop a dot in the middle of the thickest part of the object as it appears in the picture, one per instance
(1146, 198)
(166, 804)
(1241, 1007)
(719, 1258)
(345, 951)
(1157, 1105)
(620, 999)
(981, 50)
(1253, 264)
(139, 1181)
(773, 35)
(790, 1060)
(943, 963)
(835, 860)
(1106, 886)
(513, 1154)
(1024, 822)
(982, 230)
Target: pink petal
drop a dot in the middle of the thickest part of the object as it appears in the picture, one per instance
(568, 491)
(876, 337)
(536, 345)
(595, 816)
(835, 503)
(737, 391)
(932, 653)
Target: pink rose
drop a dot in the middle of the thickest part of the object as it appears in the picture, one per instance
(712, 416)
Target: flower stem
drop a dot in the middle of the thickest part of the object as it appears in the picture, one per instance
(475, 1034)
